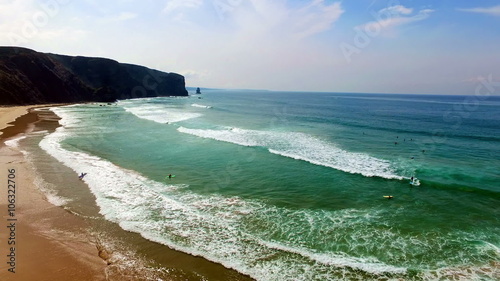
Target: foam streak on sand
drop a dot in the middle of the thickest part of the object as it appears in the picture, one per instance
(14, 142)
(50, 194)
(303, 147)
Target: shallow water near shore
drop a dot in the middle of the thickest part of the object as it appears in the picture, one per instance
(130, 255)
(290, 186)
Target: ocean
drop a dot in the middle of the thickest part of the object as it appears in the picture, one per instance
(291, 185)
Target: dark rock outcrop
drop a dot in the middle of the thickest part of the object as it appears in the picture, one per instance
(29, 77)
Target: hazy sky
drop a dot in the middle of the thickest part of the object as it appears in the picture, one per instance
(420, 46)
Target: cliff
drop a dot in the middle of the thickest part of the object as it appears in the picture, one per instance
(29, 77)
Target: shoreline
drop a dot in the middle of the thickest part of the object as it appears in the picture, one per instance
(71, 244)
(45, 240)
(8, 116)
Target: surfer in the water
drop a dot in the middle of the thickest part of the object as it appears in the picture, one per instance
(169, 176)
(82, 175)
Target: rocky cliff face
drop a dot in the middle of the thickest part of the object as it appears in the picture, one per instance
(29, 77)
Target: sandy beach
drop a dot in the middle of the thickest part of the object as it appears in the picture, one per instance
(39, 240)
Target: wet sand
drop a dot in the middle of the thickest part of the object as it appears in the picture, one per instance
(43, 237)
(9, 115)
(57, 243)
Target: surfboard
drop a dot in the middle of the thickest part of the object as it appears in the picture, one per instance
(173, 176)
(388, 196)
(415, 182)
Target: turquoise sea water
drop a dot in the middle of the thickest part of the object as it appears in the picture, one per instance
(290, 186)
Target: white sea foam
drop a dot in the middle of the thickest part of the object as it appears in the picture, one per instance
(50, 193)
(200, 105)
(67, 119)
(303, 147)
(210, 226)
(370, 265)
(224, 230)
(159, 113)
(271, 243)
